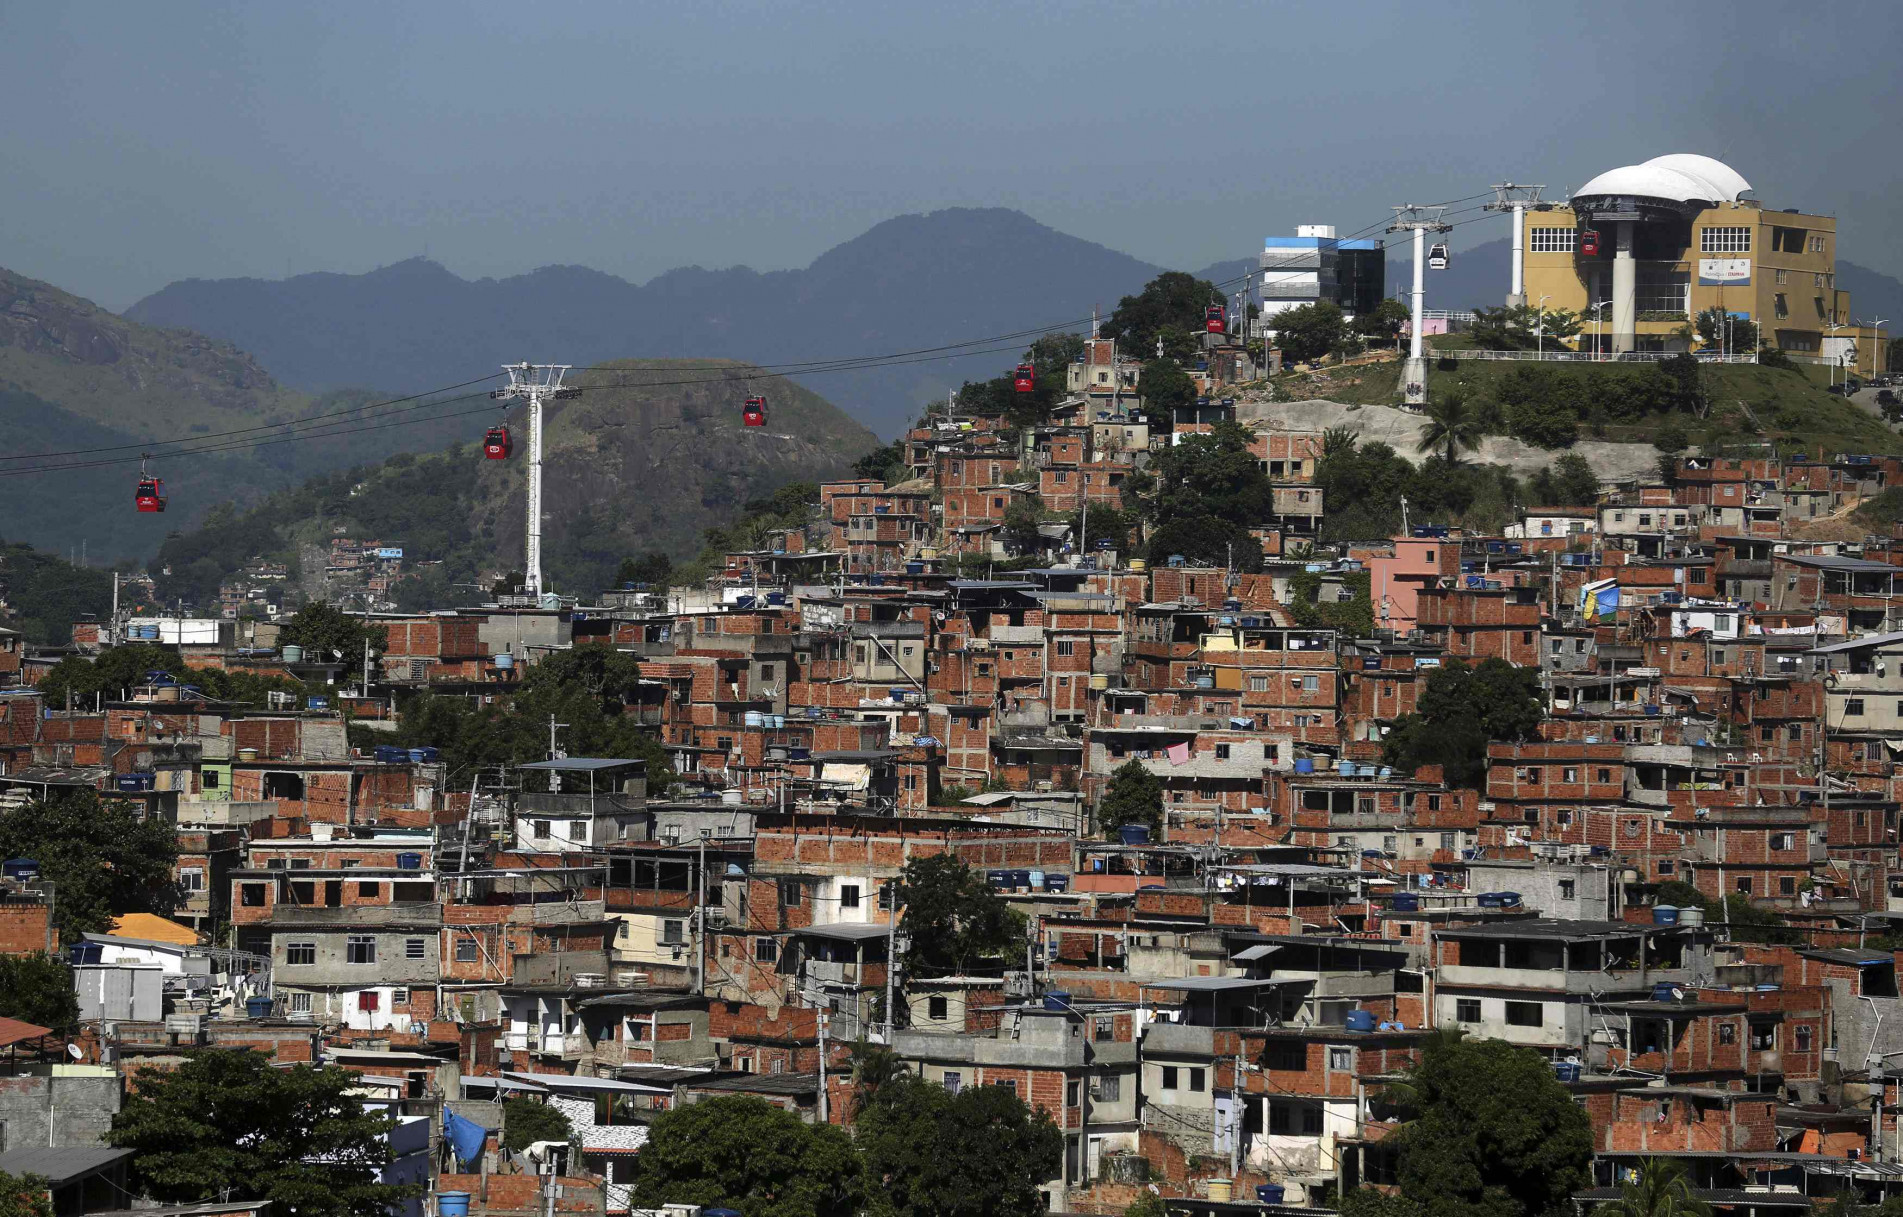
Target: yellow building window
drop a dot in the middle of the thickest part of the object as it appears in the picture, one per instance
(1782, 308)
(1551, 240)
(1724, 241)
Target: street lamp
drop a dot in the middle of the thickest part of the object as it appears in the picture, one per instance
(1874, 347)
(1539, 332)
(1833, 327)
(1599, 330)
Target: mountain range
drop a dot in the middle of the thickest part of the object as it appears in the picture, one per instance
(912, 283)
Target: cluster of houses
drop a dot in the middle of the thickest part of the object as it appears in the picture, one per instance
(1682, 892)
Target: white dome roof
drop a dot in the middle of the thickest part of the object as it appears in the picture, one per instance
(1681, 177)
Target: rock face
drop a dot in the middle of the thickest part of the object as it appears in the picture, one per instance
(144, 381)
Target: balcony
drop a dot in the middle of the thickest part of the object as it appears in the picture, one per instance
(558, 969)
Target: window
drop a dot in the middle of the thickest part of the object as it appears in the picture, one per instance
(1780, 306)
(300, 1003)
(766, 950)
(672, 933)
(766, 673)
(369, 999)
(1551, 240)
(951, 1082)
(1105, 1029)
(1818, 302)
(1783, 276)
(1567, 889)
(1169, 1077)
(1786, 886)
(360, 948)
(1744, 887)
(1222, 752)
(1311, 683)
(541, 830)
(1066, 648)
(1467, 1010)
(466, 949)
(849, 896)
(1727, 1033)
(210, 779)
(1763, 1036)
(1341, 1060)
(790, 893)
(1196, 1080)
(1853, 707)
(1073, 1093)
(413, 948)
(300, 954)
(1782, 840)
(251, 895)
(1724, 241)
(937, 1008)
(369, 891)
(1817, 245)
(1106, 1089)
(1569, 776)
(192, 878)
(1526, 1014)
(1802, 1035)
(1258, 683)
(1008, 1084)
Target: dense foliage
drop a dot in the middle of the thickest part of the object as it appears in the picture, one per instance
(328, 634)
(1488, 1132)
(1133, 795)
(1460, 711)
(116, 671)
(954, 921)
(45, 595)
(526, 1121)
(24, 1196)
(1208, 490)
(231, 1124)
(930, 1153)
(1170, 306)
(1310, 331)
(1363, 484)
(591, 689)
(744, 1153)
(103, 858)
(38, 988)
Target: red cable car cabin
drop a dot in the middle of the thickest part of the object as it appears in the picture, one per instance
(754, 413)
(497, 444)
(1589, 243)
(1215, 319)
(151, 494)
(1024, 380)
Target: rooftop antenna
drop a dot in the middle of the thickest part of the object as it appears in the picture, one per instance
(535, 383)
(1516, 199)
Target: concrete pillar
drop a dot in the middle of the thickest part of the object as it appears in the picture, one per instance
(1414, 372)
(1625, 292)
(1516, 290)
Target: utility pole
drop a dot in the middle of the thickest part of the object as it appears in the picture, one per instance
(1516, 199)
(700, 922)
(891, 955)
(112, 632)
(825, 1116)
(534, 383)
(1419, 221)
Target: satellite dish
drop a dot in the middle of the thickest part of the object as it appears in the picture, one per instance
(73, 1051)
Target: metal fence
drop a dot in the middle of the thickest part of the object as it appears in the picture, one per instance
(1563, 356)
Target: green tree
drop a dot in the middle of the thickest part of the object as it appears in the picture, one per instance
(233, 1123)
(886, 463)
(1166, 388)
(1662, 1189)
(746, 1154)
(526, 1121)
(1489, 1132)
(979, 1153)
(104, 859)
(652, 567)
(1310, 331)
(952, 918)
(1105, 523)
(1133, 795)
(1021, 519)
(328, 633)
(1207, 491)
(1716, 328)
(1353, 617)
(1171, 301)
(1450, 429)
(38, 989)
(1384, 321)
(1462, 709)
(1370, 1202)
(1147, 1204)
(1574, 482)
(24, 1196)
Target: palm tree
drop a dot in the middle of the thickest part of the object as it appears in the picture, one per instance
(1450, 427)
(1660, 1189)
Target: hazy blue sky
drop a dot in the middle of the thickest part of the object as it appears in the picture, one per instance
(150, 142)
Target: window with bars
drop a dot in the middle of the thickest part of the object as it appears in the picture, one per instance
(1724, 241)
(1551, 240)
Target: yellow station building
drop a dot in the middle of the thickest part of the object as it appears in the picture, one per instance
(1641, 250)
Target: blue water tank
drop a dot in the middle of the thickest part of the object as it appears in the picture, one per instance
(1407, 902)
(257, 1007)
(425, 755)
(20, 868)
(409, 861)
(1304, 764)
(1057, 883)
(1488, 900)
(1134, 834)
(1664, 990)
(86, 952)
(997, 878)
(1269, 1193)
(1664, 914)
(1566, 1071)
(1509, 900)
(454, 1204)
(1345, 769)
(1057, 999)
(1359, 1020)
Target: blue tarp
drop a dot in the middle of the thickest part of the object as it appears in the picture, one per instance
(465, 1136)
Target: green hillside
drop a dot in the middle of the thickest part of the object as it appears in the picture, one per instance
(1743, 403)
(651, 455)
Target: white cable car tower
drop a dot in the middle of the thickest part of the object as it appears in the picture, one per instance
(1420, 221)
(535, 383)
(1510, 197)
